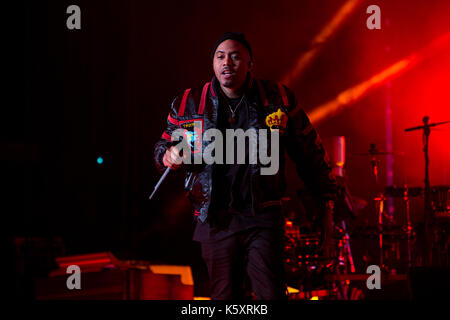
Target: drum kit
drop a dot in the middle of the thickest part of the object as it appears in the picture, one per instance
(424, 243)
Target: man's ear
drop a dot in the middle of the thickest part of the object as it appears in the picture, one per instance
(250, 65)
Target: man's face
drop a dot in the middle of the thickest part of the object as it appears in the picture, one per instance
(231, 64)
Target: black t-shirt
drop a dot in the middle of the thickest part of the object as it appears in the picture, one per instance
(231, 182)
(231, 200)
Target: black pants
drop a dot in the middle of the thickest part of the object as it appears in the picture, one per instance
(255, 254)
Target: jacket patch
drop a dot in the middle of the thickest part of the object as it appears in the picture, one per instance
(193, 131)
(277, 120)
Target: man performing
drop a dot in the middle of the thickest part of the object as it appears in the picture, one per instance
(238, 209)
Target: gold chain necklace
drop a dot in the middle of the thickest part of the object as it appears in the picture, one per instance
(232, 119)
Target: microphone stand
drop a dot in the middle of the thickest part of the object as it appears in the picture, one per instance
(427, 190)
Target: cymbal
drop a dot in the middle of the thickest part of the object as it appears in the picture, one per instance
(399, 192)
(373, 151)
(377, 153)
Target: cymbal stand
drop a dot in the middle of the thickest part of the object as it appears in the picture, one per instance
(409, 225)
(379, 199)
(344, 261)
(345, 252)
(379, 203)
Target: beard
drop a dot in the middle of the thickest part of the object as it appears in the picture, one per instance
(228, 83)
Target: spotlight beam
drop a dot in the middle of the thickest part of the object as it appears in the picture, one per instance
(319, 40)
(349, 96)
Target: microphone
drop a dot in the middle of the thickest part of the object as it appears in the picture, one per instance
(165, 174)
(163, 177)
(160, 182)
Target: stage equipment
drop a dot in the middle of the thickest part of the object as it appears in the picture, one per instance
(428, 209)
(104, 277)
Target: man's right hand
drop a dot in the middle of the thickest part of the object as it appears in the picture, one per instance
(172, 158)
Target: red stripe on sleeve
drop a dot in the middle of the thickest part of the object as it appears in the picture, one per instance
(166, 136)
(172, 120)
(183, 103)
(283, 94)
(201, 108)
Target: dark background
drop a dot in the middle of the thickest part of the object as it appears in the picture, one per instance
(105, 91)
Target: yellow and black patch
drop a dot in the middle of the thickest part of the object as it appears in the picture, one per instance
(277, 120)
